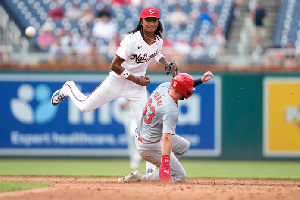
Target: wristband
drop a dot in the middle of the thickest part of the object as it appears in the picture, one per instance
(125, 73)
(197, 82)
(165, 159)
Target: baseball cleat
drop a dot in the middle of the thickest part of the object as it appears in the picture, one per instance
(57, 97)
(134, 176)
(151, 170)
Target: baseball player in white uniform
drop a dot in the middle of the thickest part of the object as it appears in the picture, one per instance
(127, 77)
(156, 138)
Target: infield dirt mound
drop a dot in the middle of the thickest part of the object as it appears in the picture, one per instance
(78, 188)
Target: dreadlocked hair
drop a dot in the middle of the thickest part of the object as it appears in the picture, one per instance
(157, 32)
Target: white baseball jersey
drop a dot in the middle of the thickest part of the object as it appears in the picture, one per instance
(159, 116)
(138, 54)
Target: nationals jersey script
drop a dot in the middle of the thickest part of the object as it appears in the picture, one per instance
(160, 115)
(138, 54)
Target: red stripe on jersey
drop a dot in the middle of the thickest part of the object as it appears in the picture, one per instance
(89, 94)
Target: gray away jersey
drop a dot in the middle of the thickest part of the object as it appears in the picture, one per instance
(160, 115)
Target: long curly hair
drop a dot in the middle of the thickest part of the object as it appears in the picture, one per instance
(157, 32)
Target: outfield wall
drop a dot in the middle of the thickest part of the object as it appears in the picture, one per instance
(235, 116)
(260, 116)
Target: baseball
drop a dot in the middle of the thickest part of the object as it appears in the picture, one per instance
(30, 31)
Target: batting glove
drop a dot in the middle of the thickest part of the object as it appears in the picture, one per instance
(165, 169)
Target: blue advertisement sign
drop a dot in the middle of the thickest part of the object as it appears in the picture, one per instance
(31, 126)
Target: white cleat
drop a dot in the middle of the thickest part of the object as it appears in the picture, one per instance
(57, 97)
(134, 176)
(151, 170)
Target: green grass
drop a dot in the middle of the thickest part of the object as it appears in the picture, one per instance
(243, 170)
(118, 168)
(49, 167)
(20, 185)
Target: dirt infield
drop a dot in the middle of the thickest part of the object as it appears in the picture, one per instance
(107, 188)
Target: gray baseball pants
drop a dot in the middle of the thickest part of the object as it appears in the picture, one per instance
(151, 152)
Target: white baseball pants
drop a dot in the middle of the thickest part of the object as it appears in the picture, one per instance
(110, 89)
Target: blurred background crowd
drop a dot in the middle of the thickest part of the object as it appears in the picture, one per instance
(216, 32)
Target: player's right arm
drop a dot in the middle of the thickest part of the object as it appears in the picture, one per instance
(166, 144)
(169, 125)
(116, 66)
(165, 168)
(123, 52)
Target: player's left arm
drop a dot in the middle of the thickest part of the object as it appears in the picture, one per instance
(170, 67)
(163, 61)
(205, 78)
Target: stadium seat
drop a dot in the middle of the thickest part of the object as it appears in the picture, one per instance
(287, 23)
(34, 12)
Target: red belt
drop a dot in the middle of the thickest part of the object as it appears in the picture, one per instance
(141, 140)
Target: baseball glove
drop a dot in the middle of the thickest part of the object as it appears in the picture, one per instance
(172, 68)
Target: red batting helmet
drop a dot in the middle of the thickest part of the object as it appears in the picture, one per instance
(183, 83)
(149, 12)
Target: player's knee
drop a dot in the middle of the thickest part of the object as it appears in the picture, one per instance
(183, 174)
(180, 177)
(85, 110)
(186, 145)
(71, 83)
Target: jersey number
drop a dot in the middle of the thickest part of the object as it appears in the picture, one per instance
(151, 113)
